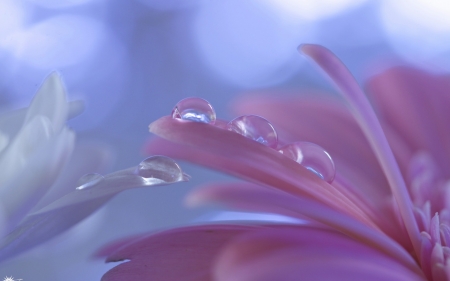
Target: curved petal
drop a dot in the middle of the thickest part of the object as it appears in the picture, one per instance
(415, 104)
(227, 151)
(86, 158)
(370, 125)
(313, 254)
(31, 138)
(178, 254)
(11, 122)
(50, 101)
(328, 123)
(255, 198)
(109, 249)
(68, 210)
(27, 186)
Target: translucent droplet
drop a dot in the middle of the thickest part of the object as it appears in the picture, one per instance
(88, 181)
(256, 128)
(313, 157)
(160, 167)
(194, 109)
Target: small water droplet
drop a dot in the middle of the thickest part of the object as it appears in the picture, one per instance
(256, 128)
(194, 109)
(160, 167)
(88, 181)
(313, 157)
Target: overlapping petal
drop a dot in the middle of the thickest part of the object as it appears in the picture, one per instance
(366, 225)
(289, 253)
(38, 195)
(415, 104)
(179, 254)
(225, 150)
(63, 213)
(326, 122)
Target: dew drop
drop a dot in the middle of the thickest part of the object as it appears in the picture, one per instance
(194, 109)
(256, 128)
(88, 181)
(313, 157)
(160, 167)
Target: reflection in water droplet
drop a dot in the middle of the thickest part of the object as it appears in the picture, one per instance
(194, 109)
(313, 157)
(256, 128)
(160, 167)
(88, 181)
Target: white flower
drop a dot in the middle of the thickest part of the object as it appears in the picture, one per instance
(40, 166)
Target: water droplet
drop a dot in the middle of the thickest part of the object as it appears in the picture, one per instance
(194, 109)
(313, 157)
(88, 181)
(160, 167)
(256, 128)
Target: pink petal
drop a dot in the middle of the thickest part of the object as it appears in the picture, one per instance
(326, 122)
(329, 124)
(230, 152)
(415, 103)
(254, 198)
(293, 253)
(112, 247)
(178, 254)
(368, 122)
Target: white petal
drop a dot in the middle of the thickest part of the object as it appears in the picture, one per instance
(28, 186)
(86, 158)
(3, 225)
(68, 210)
(27, 142)
(50, 101)
(11, 122)
(4, 141)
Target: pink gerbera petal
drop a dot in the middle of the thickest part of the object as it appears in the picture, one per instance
(366, 118)
(415, 104)
(293, 252)
(254, 198)
(179, 254)
(225, 150)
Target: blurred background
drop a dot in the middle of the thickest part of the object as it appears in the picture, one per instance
(132, 61)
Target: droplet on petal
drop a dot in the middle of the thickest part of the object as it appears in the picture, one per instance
(194, 109)
(256, 128)
(313, 157)
(160, 167)
(88, 181)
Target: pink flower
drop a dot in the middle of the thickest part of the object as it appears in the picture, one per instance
(384, 217)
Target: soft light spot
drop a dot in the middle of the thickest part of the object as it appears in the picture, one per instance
(419, 30)
(59, 4)
(12, 19)
(57, 42)
(312, 10)
(169, 4)
(248, 44)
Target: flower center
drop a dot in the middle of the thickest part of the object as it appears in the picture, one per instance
(430, 192)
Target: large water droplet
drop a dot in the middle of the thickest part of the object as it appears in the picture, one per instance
(160, 167)
(256, 128)
(194, 109)
(313, 157)
(88, 181)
